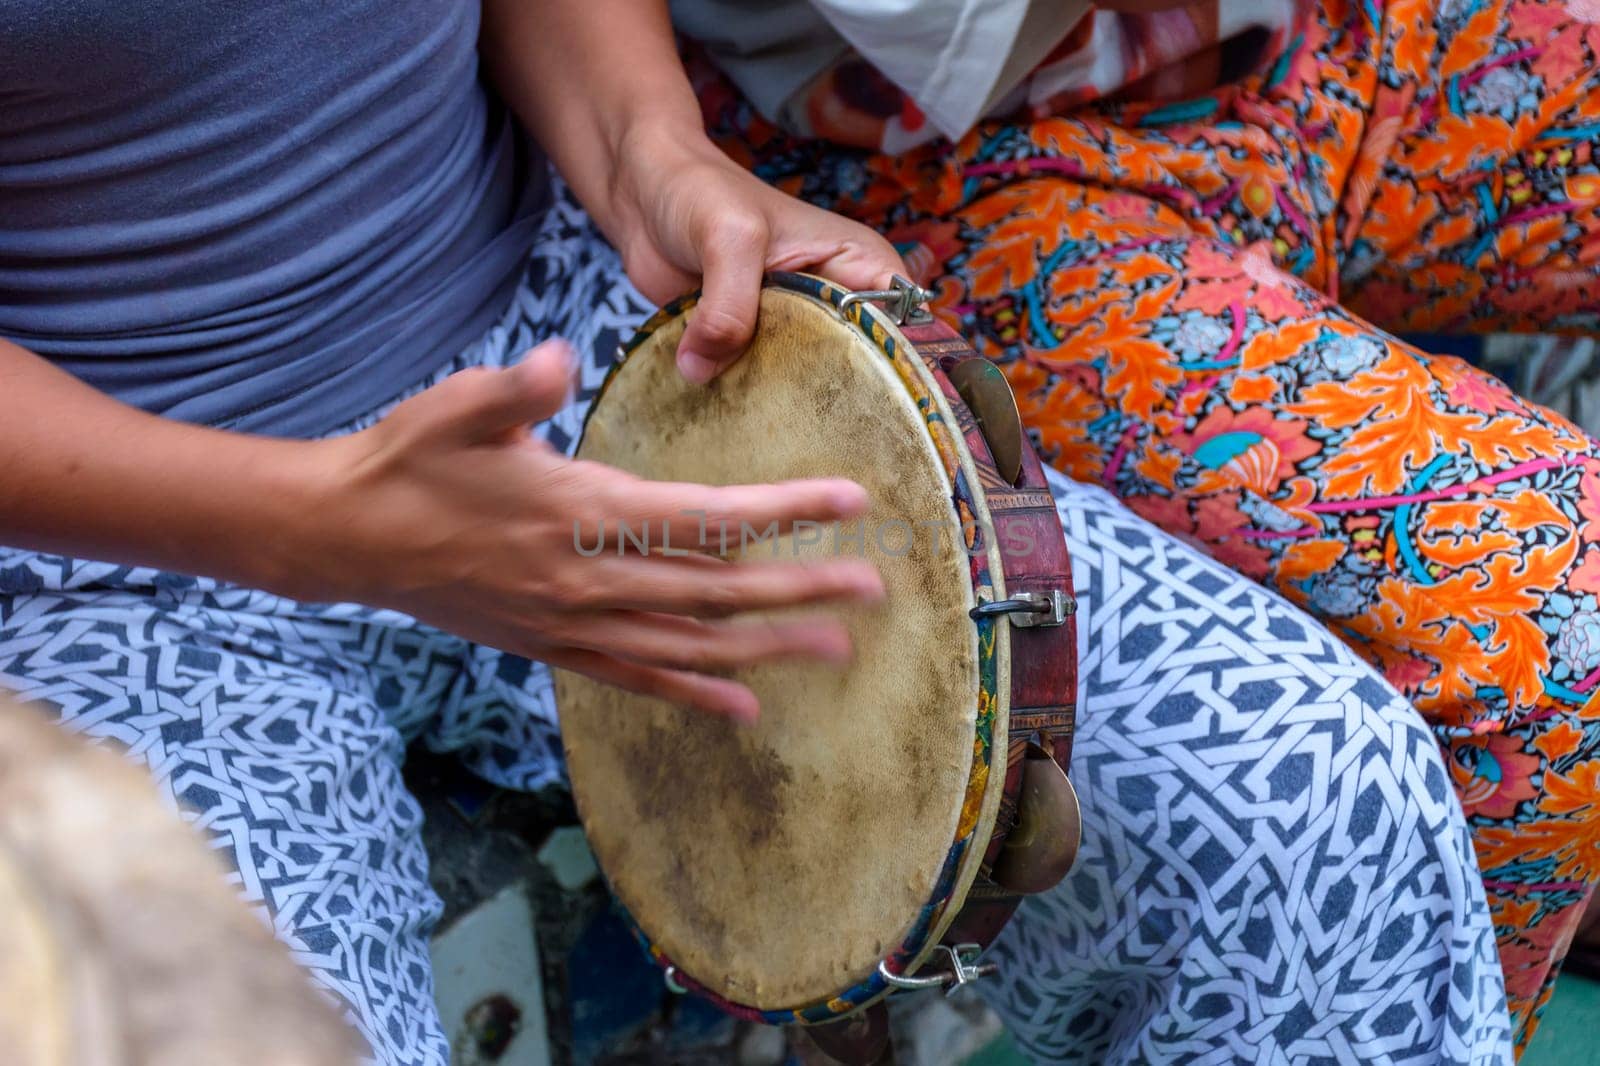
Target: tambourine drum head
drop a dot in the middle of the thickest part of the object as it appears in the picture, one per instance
(778, 863)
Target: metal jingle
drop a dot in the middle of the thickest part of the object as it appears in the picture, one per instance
(988, 395)
(1041, 847)
(861, 1039)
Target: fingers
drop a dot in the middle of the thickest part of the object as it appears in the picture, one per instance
(709, 588)
(733, 256)
(840, 249)
(869, 262)
(678, 643)
(672, 658)
(713, 695)
(485, 405)
(707, 517)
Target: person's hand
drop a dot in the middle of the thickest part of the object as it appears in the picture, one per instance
(448, 509)
(683, 214)
(601, 87)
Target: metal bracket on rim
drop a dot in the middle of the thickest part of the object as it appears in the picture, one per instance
(964, 969)
(1028, 609)
(670, 978)
(904, 300)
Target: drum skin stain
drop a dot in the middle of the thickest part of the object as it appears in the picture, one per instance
(855, 796)
(708, 929)
(682, 770)
(829, 394)
(681, 407)
(678, 767)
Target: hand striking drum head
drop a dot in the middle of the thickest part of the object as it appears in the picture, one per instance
(777, 864)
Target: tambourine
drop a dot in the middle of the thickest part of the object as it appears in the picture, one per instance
(876, 828)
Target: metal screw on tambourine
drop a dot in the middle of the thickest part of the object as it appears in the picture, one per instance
(904, 299)
(1028, 609)
(964, 969)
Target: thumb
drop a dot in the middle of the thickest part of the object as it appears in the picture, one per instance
(486, 406)
(724, 320)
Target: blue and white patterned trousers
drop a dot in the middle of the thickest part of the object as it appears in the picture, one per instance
(1274, 870)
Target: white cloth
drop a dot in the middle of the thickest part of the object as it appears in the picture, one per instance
(953, 58)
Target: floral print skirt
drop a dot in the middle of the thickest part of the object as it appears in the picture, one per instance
(1197, 304)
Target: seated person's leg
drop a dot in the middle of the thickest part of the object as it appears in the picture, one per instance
(1432, 519)
(1273, 864)
(1270, 820)
(1435, 521)
(281, 728)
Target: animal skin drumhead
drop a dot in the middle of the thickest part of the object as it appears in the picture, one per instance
(776, 864)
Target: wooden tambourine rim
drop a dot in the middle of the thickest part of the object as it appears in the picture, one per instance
(986, 777)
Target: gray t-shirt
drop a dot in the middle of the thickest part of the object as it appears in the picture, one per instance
(271, 215)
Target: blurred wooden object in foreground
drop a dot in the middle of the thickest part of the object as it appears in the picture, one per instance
(120, 942)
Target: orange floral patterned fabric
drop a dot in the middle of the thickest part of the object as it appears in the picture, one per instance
(1190, 301)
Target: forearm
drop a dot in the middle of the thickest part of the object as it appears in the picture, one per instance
(600, 84)
(589, 79)
(82, 474)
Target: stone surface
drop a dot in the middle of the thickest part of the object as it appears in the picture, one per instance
(481, 841)
(931, 1029)
(763, 1046)
(567, 856)
(487, 984)
(613, 995)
